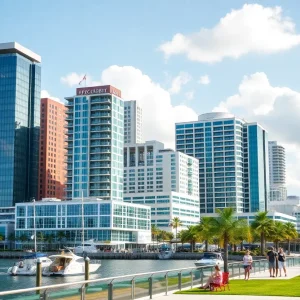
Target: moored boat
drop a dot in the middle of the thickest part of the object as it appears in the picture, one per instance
(210, 258)
(27, 266)
(69, 264)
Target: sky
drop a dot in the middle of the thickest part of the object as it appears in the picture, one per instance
(179, 59)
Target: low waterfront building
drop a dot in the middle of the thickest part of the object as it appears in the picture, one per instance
(166, 206)
(109, 223)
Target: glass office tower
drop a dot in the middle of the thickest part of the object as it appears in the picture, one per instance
(95, 122)
(20, 91)
(233, 163)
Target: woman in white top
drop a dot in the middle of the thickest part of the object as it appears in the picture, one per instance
(247, 262)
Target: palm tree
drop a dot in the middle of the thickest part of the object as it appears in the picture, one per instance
(290, 233)
(11, 238)
(278, 233)
(204, 229)
(60, 237)
(175, 223)
(155, 232)
(191, 235)
(49, 239)
(264, 226)
(163, 235)
(226, 226)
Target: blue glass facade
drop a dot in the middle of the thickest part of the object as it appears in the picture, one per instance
(20, 80)
(222, 146)
(257, 168)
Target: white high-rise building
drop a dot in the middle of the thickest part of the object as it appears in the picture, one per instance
(164, 179)
(132, 122)
(277, 172)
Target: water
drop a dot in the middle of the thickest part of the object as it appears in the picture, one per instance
(109, 268)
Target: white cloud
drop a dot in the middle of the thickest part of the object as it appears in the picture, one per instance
(45, 94)
(180, 80)
(190, 95)
(277, 109)
(204, 80)
(159, 114)
(73, 79)
(251, 29)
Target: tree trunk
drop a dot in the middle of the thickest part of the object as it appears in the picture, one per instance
(262, 244)
(176, 240)
(225, 253)
(234, 247)
(289, 247)
(206, 246)
(242, 245)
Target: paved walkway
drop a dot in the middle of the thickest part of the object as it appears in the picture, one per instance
(291, 272)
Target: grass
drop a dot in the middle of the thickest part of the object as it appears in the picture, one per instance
(288, 288)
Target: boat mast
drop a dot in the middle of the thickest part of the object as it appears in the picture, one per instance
(34, 229)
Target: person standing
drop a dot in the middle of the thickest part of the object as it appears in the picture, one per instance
(247, 262)
(271, 257)
(281, 261)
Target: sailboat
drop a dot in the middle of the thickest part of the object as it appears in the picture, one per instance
(27, 265)
(69, 264)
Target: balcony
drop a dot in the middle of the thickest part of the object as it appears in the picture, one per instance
(100, 179)
(69, 111)
(69, 117)
(100, 157)
(95, 186)
(100, 107)
(101, 115)
(69, 146)
(101, 100)
(97, 172)
(100, 128)
(100, 150)
(101, 122)
(99, 165)
(100, 136)
(99, 143)
(69, 124)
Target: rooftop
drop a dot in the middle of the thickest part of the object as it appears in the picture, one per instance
(14, 47)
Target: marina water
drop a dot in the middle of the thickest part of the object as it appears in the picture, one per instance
(109, 268)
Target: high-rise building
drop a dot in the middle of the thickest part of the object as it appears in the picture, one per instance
(95, 122)
(278, 190)
(166, 180)
(52, 172)
(132, 122)
(20, 91)
(233, 161)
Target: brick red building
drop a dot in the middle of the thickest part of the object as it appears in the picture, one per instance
(52, 172)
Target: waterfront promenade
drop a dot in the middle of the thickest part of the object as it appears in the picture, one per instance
(291, 273)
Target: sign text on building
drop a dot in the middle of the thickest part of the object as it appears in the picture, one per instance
(94, 90)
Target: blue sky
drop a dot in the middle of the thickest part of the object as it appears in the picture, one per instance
(88, 37)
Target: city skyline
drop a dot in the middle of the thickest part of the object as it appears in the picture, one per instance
(173, 83)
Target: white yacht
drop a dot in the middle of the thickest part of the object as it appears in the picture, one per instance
(210, 258)
(86, 247)
(27, 266)
(67, 264)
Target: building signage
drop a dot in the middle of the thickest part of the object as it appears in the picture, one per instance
(94, 90)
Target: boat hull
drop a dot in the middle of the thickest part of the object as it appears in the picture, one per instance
(93, 269)
(201, 263)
